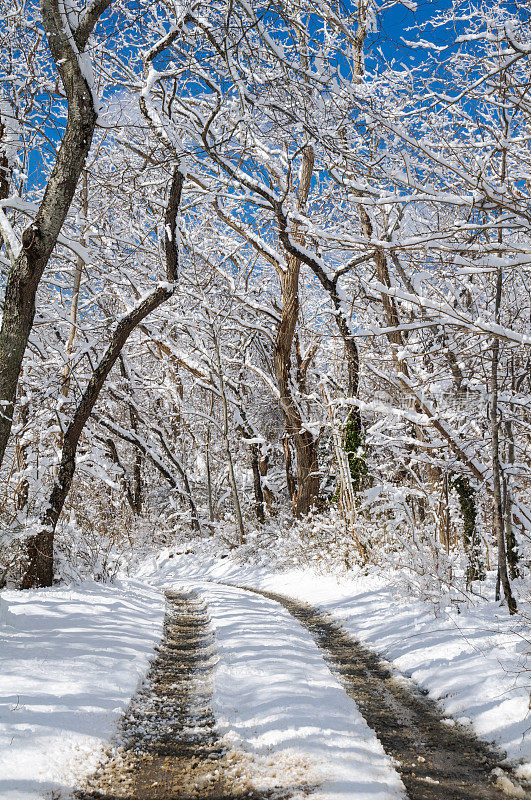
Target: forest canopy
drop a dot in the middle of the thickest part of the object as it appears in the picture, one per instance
(265, 271)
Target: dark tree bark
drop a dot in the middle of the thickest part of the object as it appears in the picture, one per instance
(291, 483)
(269, 497)
(40, 546)
(497, 504)
(513, 557)
(5, 172)
(135, 490)
(330, 285)
(247, 432)
(211, 514)
(39, 240)
(259, 504)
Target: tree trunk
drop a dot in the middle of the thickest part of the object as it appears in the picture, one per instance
(498, 522)
(291, 483)
(40, 546)
(40, 568)
(137, 488)
(263, 466)
(5, 171)
(475, 570)
(351, 348)
(510, 538)
(307, 469)
(240, 530)
(259, 505)
(115, 458)
(21, 454)
(40, 238)
(209, 477)
(136, 482)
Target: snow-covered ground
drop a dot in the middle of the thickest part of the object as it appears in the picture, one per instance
(71, 658)
(475, 661)
(276, 699)
(69, 661)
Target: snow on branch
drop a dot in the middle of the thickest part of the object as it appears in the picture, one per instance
(448, 315)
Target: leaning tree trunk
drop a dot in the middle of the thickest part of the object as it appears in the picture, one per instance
(40, 238)
(40, 546)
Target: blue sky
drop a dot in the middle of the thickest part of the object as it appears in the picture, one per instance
(394, 25)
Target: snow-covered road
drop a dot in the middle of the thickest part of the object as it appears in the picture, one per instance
(74, 658)
(276, 698)
(71, 659)
(473, 660)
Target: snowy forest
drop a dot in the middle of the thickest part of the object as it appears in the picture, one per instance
(256, 268)
(266, 301)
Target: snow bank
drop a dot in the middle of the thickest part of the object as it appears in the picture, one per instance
(71, 658)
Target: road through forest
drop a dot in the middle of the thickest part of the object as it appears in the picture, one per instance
(169, 748)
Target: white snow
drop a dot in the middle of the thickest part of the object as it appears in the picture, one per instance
(71, 658)
(274, 695)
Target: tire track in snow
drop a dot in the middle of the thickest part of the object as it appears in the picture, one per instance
(435, 760)
(276, 700)
(169, 748)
